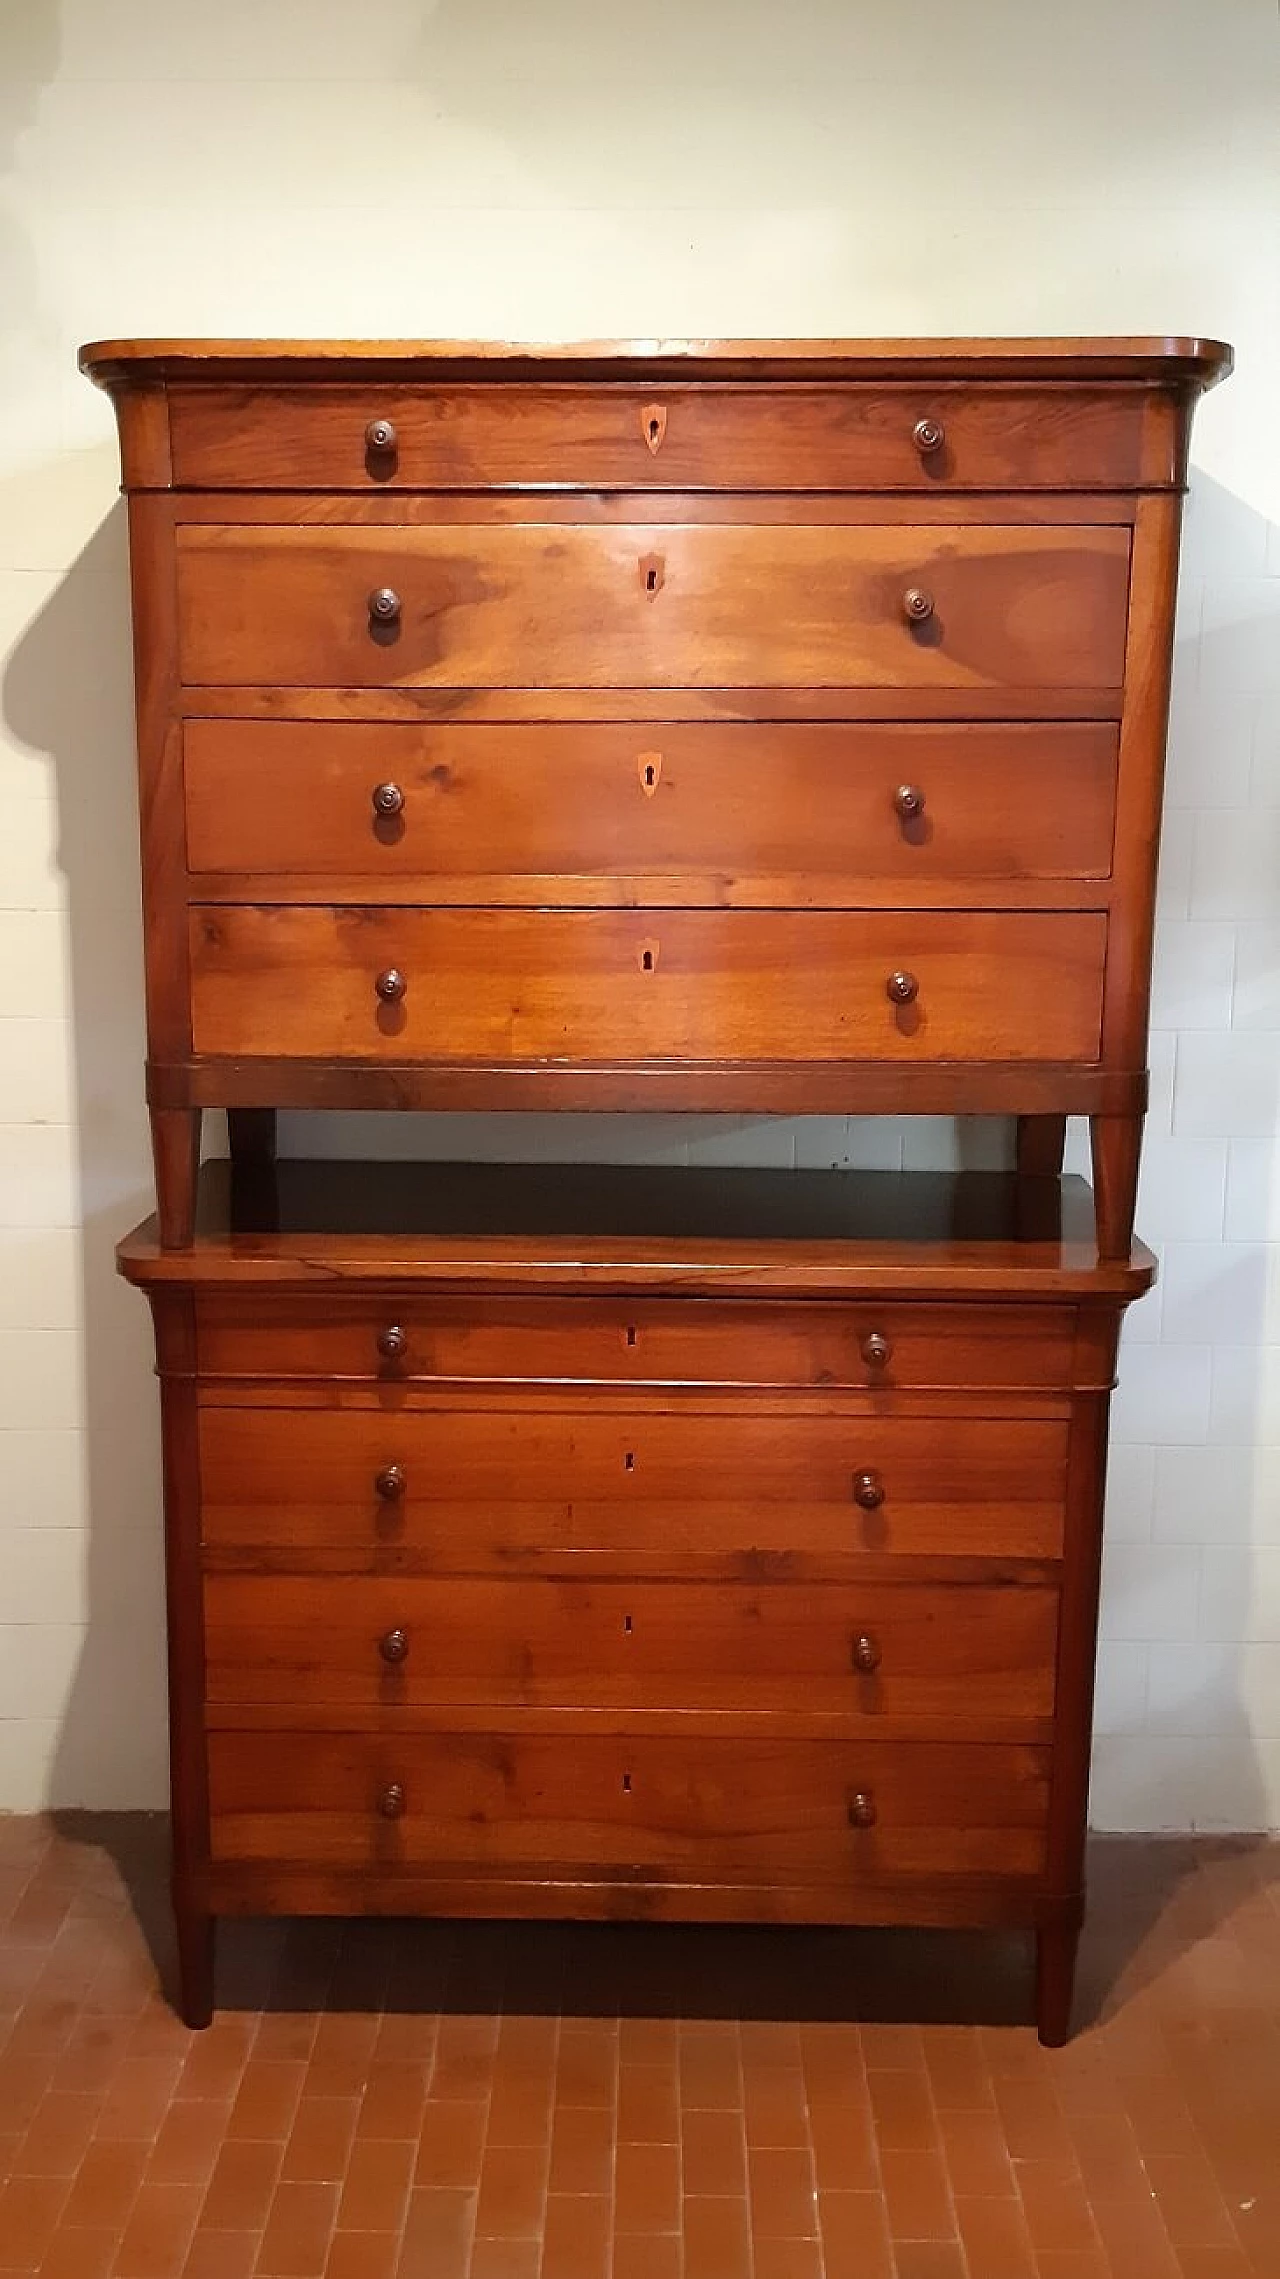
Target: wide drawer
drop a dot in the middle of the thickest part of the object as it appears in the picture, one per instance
(653, 606)
(737, 438)
(705, 812)
(627, 1805)
(938, 1661)
(694, 1341)
(496, 987)
(562, 1487)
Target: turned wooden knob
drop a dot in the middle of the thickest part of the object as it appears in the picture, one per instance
(391, 1801)
(876, 1350)
(917, 605)
(929, 435)
(380, 436)
(866, 1653)
(394, 1647)
(389, 1483)
(388, 799)
(862, 1809)
(391, 985)
(384, 605)
(868, 1490)
(393, 1344)
(902, 988)
(908, 799)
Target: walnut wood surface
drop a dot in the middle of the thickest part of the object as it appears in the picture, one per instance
(621, 607)
(702, 814)
(618, 986)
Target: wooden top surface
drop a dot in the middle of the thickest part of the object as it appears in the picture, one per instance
(122, 362)
(636, 1227)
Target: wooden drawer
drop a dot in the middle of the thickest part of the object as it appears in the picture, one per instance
(501, 987)
(653, 606)
(735, 438)
(624, 1804)
(402, 1336)
(939, 1661)
(562, 1487)
(801, 812)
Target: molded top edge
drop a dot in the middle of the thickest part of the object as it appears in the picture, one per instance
(125, 362)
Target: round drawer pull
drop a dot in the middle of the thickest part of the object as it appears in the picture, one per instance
(908, 799)
(868, 1490)
(917, 605)
(866, 1653)
(929, 435)
(876, 1350)
(394, 1647)
(384, 605)
(393, 1344)
(902, 988)
(390, 1483)
(862, 1809)
(391, 985)
(388, 799)
(391, 1801)
(380, 436)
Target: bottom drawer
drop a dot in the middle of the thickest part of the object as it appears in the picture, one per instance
(618, 1805)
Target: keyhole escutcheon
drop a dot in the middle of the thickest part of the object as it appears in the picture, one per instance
(653, 426)
(648, 957)
(649, 765)
(653, 571)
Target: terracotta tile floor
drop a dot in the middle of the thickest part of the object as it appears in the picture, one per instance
(417, 2101)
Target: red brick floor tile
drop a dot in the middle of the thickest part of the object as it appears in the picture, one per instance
(299, 2227)
(845, 2158)
(29, 2210)
(932, 2259)
(242, 2185)
(587, 2066)
(394, 2100)
(437, 2235)
(451, 2143)
(1034, 2124)
(717, 2238)
(710, 2069)
(996, 2239)
(464, 2058)
(106, 2185)
(520, 2108)
(188, 2142)
(363, 2255)
(58, 2135)
(976, 2156)
(902, 2110)
(375, 2193)
(576, 2240)
(1072, 2263)
(714, 2152)
(319, 2144)
(267, 2098)
(917, 2195)
(341, 2055)
(775, 2103)
(80, 2254)
(505, 2259)
(1187, 2193)
(782, 2195)
(222, 2255)
(787, 2259)
(646, 2255)
(141, 2094)
(855, 2235)
(648, 2109)
(581, 2148)
(647, 2188)
(959, 2075)
(158, 2233)
(1054, 2204)
(513, 2191)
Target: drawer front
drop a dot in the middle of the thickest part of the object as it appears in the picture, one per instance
(563, 1487)
(709, 812)
(935, 1661)
(653, 606)
(403, 1337)
(739, 438)
(497, 987)
(625, 1805)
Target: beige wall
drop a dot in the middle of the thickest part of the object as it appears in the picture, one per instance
(493, 168)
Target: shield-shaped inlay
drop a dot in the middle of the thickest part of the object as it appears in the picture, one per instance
(653, 425)
(650, 767)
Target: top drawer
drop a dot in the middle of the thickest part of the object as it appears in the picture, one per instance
(716, 438)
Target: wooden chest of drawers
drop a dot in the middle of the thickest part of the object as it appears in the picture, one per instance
(749, 1576)
(770, 727)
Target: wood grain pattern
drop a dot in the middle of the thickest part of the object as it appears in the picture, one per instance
(629, 1806)
(686, 985)
(737, 437)
(707, 813)
(804, 606)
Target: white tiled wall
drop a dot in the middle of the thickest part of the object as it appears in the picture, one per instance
(587, 168)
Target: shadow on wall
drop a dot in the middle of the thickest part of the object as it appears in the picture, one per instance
(67, 691)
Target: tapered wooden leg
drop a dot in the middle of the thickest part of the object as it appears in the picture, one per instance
(1056, 1948)
(1116, 1144)
(1041, 1144)
(175, 1145)
(195, 1961)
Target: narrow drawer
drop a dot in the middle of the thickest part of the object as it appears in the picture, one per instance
(401, 1336)
(707, 605)
(563, 1488)
(616, 986)
(626, 1805)
(937, 1661)
(802, 812)
(923, 437)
